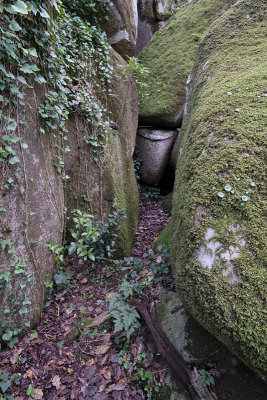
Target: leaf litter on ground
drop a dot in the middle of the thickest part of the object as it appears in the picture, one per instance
(73, 352)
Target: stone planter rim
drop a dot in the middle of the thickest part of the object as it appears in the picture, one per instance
(156, 136)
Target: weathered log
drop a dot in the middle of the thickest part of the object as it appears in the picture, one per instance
(169, 352)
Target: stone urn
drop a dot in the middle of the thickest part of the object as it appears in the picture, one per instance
(154, 148)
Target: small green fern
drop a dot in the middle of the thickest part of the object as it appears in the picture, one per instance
(125, 316)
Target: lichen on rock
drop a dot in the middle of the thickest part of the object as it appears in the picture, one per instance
(218, 204)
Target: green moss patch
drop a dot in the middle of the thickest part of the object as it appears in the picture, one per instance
(220, 182)
(170, 56)
(164, 237)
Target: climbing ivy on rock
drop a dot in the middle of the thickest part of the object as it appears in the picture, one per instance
(44, 45)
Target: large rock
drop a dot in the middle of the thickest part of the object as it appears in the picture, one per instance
(109, 181)
(33, 199)
(218, 240)
(121, 27)
(152, 15)
(197, 346)
(118, 18)
(170, 56)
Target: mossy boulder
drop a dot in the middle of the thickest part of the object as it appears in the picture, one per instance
(97, 186)
(170, 57)
(167, 203)
(198, 347)
(218, 215)
(164, 237)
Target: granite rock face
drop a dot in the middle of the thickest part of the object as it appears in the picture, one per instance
(36, 204)
(218, 204)
(109, 182)
(121, 27)
(33, 216)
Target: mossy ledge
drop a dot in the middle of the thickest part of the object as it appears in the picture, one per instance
(218, 202)
(170, 57)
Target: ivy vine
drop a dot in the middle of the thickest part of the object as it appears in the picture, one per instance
(46, 43)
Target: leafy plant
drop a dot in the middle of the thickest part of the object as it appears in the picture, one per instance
(96, 240)
(152, 193)
(125, 316)
(138, 72)
(206, 379)
(84, 234)
(5, 382)
(43, 44)
(30, 390)
(95, 11)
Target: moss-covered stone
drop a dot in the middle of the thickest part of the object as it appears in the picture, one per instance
(170, 56)
(199, 347)
(110, 181)
(164, 237)
(218, 223)
(167, 203)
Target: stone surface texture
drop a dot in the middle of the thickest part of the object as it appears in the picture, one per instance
(199, 347)
(153, 148)
(170, 55)
(37, 207)
(121, 27)
(111, 181)
(33, 216)
(218, 217)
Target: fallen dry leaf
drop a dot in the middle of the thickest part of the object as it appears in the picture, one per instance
(37, 395)
(100, 319)
(30, 374)
(15, 356)
(117, 386)
(56, 382)
(90, 362)
(99, 350)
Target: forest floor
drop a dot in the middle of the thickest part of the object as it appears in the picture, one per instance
(73, 353)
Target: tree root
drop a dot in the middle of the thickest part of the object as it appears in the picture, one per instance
(167, 350)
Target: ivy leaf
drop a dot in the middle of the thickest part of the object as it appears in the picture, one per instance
(40, 79)
(14, 26)
(33, 52)
(2, 208)
(44, 14)
(13, 160)
(5, 385)
(30, 390)
(10, 9)
(22, 80)
(20, 7)
(24, 145)
(34, 335)
(23, 310)
(27, 302)
(7, 336)
(11, 126)
(29, 6)
(29, 68)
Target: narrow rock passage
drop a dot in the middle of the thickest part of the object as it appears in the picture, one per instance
(73, 352)
(152, 220)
